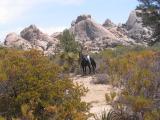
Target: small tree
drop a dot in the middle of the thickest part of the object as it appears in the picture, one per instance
(68, 42)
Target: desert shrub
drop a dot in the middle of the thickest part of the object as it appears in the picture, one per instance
(137, 74)
(100, 79)
(102, 59)
(31, 87)
(2, 118)
(69, 62)
(121, 50)
(110, 97)
(156, 46)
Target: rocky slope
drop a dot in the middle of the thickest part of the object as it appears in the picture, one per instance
(135, 28)
(14, 40)
(96, 37)
(31, 37)
(93, 36)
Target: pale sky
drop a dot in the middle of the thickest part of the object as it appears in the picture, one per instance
(55, 15)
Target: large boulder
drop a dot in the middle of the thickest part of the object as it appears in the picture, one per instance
(94, 36)
(14, 40)
(83, 17)
(108, 23)
(136, 29)
(117, 30)
(32, 38)
(32, 34)
(85, 29)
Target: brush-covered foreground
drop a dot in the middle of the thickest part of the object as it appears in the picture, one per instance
(32, 88)
(136, 71)
(35, 87)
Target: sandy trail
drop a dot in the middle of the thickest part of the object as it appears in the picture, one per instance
(95, 95)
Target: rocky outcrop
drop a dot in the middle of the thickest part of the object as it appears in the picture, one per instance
(118, 31)
(85, 29)
(135, 28)
(108, 23)
(92, 36)
(82, 17)
(32, 38)
(95, 37)
(14, 40)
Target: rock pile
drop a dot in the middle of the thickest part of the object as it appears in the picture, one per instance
(32, 38)
(135, 28)
(93, 36)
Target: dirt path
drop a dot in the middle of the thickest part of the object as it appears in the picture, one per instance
(95, 95)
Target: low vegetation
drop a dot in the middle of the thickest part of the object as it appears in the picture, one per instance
(116, 115)
(31, 88)
(136, 72)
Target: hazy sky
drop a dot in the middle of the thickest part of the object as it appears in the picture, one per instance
(55, 15)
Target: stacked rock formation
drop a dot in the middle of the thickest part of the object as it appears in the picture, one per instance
(93, 36)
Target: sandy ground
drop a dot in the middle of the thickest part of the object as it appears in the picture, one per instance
(95, 95)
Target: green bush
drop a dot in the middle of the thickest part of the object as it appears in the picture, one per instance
(68, 43)
(69, 62)
(102, 58)
(136, 73)
(31, 87)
